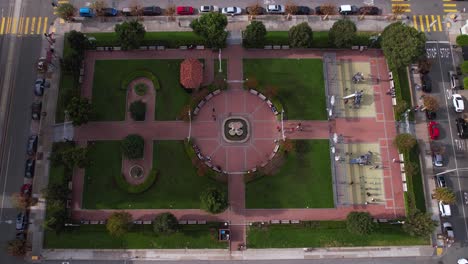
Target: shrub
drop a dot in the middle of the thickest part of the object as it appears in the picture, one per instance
(254, 35)
(213, 201)
(419, 224)
(462, 40)
(400, 108)
(445, 195)
(404, 142)
(165, 223)
(119, 223)
(300, 36)
(130, 34)
(133, 146)
(141, 89)
(411, 168)
(343, 33)
(139, 74)
(138, 188)
(359, 223)
(79, 110)
(138, 110)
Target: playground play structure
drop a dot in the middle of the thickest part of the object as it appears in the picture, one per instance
(362, 160)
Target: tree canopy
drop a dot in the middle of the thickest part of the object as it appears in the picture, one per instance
(133, 146)
(404, 142)
(66, 11)
(119, 223)
(300, 36)
(212, 28)
(359, 223)
(77, 40)
(254, 35)
(79, 110)
(343, 33)
(419, 224)
(130, 34)
(445, 195)
(402, 45)
(213, 201)
(165, 223)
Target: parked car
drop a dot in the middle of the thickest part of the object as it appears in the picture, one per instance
(444, 209)
(275, 9)
(39, 86)
(36, 108)
(29, 168)
(110, 11)
(430, 115)
(20, 221)
(426, 83)
(184, 10)
(433, 130)
(208, 8)
(32, 145)
(437, 160)
(448, 230)
(255, 10)
(458, 104)
(127, 11)
(26, 189)
(440, 180)
(303, 10)
(151, 11)
(369, 10)
(232, 10)
(462, 127)
(86, 12)
(348, 10)
(454, 81)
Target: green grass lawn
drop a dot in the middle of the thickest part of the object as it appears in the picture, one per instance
(327, 234)
(302, 181)
(177, 185)
(223, 67)
(168, 39)
(109, 100)
(96, 236)
(300, 84)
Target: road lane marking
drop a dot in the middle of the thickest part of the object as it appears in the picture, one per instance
(8, 26)
(450, 10)
(421, 23)
(439, 23)
(427, 24)
(26, 26)
(20, 27)
(415, 23)
(434, 28)
(33, 24)
(45, 24)
(3, 26)
(38, 30)
(14, 25)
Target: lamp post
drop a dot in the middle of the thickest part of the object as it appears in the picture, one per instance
(282, 124)
(219, 58)
(190, 124)
(64, 124)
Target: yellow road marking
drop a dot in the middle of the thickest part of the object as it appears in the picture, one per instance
(62, 1)
(450, 10)
(20, 28)
(398, 0)
(14, 25)
(62, 21)
(26, 26)
(38, 29)
(3, 26)
(439, 23)
(407, 5)
(421, 23)
(8, 26)
(446, 0)
(33, 24)
(415, 23)
(450, 5)
(45, 24)
(428, 24)
(432, 21)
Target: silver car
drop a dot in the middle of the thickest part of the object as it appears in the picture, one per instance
(232, 10)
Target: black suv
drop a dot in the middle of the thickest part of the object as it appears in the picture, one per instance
(151, 11)
(302, 10)
(462, 128)
(426, 83)
(36, 110)
(29, 168)
(441, 181)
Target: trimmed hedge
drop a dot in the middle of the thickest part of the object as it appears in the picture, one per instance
(465, 82)
(462, 40)
(139, 188)
(140, 74)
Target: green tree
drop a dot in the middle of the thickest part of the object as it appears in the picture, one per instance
(77, 41)
(17, 247)
(72, 63)
(404, 142)
(130, 34)
(464, 67)
(165, 223)
(465, 82)
(360, 223)
(138, 110)
(462, 40)
(133, 146)
(212, 28)
(402, 45)
(213, 201)
(342, 33)
(254, 35)
(445, 195)
(419, 224)
(66, 11)
(119, 223)
(77, 156)
(411, 168)
(300, 36)
(56, 191)
(79, 110)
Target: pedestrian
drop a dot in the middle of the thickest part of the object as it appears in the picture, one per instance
(214, 117)
(394, 160)
(214, 109)
(278, 128)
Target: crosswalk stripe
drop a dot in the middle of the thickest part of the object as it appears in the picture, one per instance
(26, 26)
(439, 23)
(427, 24)
(398, 0)
(415, 23)
(45, 24)
(421, 23)
(3, 26)
(33, 25)
(432, 21)
(38, 29)
(450, 10)
(8, 25)
(62, 1)
(20, 27)
(14, 25)
(401, 5)
(450, 5)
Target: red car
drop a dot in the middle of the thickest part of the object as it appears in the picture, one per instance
(433, 130)
(184, 10)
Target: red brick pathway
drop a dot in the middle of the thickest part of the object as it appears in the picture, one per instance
(380, 129)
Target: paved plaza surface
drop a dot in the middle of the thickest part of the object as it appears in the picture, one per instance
(370, 128)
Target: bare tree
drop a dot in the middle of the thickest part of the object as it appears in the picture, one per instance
(136, 9)
(254, 10)
(328, 9)
(430, 103)
(98, 6)
(291, 8)
(170, 11)
(398, 10)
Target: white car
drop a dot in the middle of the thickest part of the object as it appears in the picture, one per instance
(275, 9)
(458, 103)
(462, 261)
(448, 230)
(208, 9)
(232, 10)
(444, 209)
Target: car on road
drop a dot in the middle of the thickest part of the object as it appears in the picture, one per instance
(208, 8)
(458, 103)
(32, 145)
(184, 10)
(20, 221)
(448, 230)
(151, 11)
(426, 83)
(303, 10)
(231, 10)
(454, 81)
(462, 260)
(462, 127)
(433, 128)
(348, 10)
(86, 12)
(440, 180)
(275, 9)
(39, 86)
(109, 11)
(369, 10)
(437, 160)
(444, 209)
(29, 168)
(36, 108)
